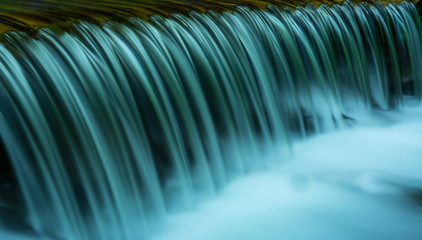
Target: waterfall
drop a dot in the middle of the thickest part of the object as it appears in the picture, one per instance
(109, 128)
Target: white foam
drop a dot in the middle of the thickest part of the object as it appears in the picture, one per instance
(353, 184)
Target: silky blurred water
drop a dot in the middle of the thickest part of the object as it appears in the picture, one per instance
(362, 183)
(110, 131)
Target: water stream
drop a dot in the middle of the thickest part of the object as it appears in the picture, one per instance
(109, 129)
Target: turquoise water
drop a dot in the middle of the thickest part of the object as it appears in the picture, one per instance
(360, 183)
(111, 129)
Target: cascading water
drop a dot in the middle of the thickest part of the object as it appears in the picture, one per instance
(110, 128)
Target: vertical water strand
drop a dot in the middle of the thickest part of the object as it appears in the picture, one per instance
(50, 82)
(415, 51)
(196, 74)
(309, 41)
(375, 60)
(409, 49)
(73, 106)
(300, 64)
(113, 172)
(133, 49)
(378, 33)
(350, 69)
(250, 61)
(393, 76)
(338, 54)
(320, 50)
(245, 131)
(255, 39)
(220, 88)
(273, 35)
(123, 168)
(358, 51)
(265, 38)
(206, 91)
(190, 125)
(164, 112)
(10, 69)
(237, 122)
(246, 84)
(324, 23)
(282, 41)
(399, 28)
(51, 186)
(142, 182)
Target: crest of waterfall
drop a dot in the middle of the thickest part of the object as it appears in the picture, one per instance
(110, 128)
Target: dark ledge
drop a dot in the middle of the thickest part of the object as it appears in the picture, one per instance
(28, 16)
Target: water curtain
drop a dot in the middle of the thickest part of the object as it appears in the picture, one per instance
(110, 128)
